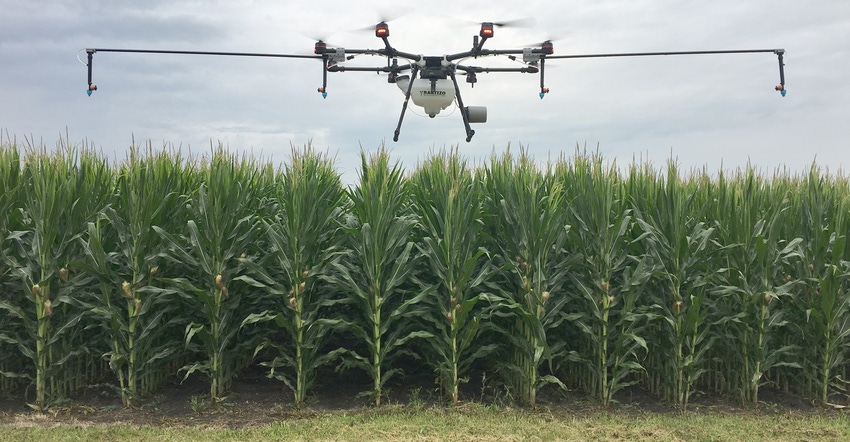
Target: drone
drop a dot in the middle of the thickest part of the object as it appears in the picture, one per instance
(431, 81)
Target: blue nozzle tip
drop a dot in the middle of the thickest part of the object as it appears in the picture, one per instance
(88, 91)
(542, 95)
(324, 95)
(783, 91)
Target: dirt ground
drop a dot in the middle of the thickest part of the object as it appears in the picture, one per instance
(257, 400)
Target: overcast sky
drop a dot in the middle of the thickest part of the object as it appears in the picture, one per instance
(706, 111)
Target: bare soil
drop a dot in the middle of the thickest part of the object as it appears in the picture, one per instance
(257, 400)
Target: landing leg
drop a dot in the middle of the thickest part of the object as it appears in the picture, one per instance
(469, 131)
(413, 73)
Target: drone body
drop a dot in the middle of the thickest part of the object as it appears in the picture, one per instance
(431, 81)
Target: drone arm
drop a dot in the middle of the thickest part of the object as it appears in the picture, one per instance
(378, 69)
(460, 55)
(483, 70)
(478, 52)
(392, 53)
(779, 52)
(404, 105)
(91, 51)
(387, 45)
(231, 54)
(479, 47)
(384, 52)
(646, 54)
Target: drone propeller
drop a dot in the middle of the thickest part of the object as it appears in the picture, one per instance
(320, 38)
(386, 16)
(548, 40)
(397, 12)
(488, 28)
(526, 22)
(369, 28)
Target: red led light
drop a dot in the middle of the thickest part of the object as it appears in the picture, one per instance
(382, 30)
(486, 30)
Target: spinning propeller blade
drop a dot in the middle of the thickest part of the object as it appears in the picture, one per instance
(526, 22)
(385, 16)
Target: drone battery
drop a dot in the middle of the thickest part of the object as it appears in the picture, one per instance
(434, 68)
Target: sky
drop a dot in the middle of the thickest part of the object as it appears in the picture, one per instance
(707, 112)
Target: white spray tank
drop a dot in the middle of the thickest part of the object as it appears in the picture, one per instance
(433, 101)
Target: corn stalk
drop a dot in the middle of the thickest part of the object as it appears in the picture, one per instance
(823, 276)
(133, 309)
(609, 277)
(60, 193)
(302, 237)
(448, 200)
(220, 229)
(753, 285)
(377, 268)
(11, 371)
(682, 245)
(528, 230)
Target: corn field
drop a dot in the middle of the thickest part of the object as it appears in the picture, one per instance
(578, 274)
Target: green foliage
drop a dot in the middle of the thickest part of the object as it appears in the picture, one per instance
(753, 289)
(670, 212)
(58, 195)
(574, 274)
(302, 238)
(377, 268)
(528, 229)
(610, 276)
(821, 279)
(449, 201)
(221, 227)
(10, 165)
(134, 309)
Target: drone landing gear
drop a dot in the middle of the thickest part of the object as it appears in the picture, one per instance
(463, 111)
(480, 113)
(413, 73)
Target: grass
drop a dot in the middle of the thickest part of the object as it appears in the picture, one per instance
(471, 422)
